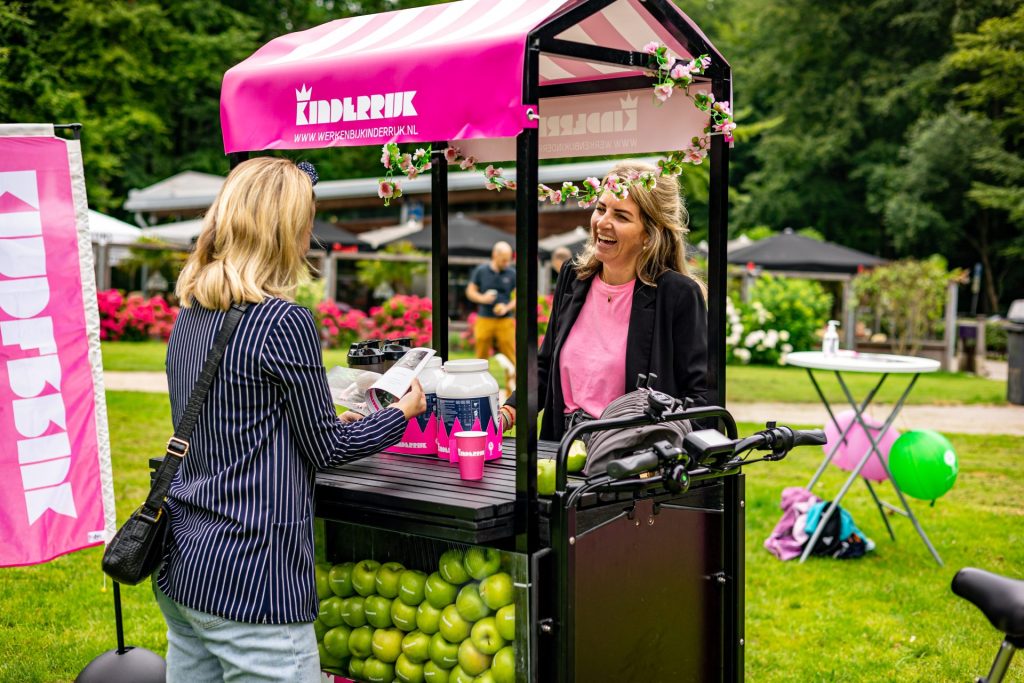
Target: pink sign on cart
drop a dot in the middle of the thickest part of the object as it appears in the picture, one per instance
(51, 495)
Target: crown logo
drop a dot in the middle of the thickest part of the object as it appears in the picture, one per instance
(629, 102)
(304, 94)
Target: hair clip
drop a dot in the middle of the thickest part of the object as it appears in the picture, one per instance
(310, 170)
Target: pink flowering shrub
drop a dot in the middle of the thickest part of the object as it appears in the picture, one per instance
(339, 325)
(134, 317)
(402, 316)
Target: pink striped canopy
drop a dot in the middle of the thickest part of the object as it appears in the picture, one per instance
(450, 72)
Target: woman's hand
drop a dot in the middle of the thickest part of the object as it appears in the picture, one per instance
(350, 416)
(414, 402)
(508, 418)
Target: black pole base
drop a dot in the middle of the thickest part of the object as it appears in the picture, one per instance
(132, 665)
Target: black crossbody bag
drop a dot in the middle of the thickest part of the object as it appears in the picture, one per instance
(137, 548)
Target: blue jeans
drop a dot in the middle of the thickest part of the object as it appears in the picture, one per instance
(203, 648)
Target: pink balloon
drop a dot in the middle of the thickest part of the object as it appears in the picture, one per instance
(857, 444)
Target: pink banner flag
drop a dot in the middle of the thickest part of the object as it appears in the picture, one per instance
(55, 485)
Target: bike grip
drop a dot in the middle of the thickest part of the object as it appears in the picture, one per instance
(809, 437)
(632, 464)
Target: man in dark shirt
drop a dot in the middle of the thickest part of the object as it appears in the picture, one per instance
(490, 287)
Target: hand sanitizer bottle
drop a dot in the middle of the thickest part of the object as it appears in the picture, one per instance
(830, 342)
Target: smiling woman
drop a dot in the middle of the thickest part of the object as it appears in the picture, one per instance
(626, 305)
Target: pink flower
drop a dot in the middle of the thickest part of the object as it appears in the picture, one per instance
(681, 71)
(427, 166)
(490, 186)
(695, 156)
(386, 189)
(663, 91)
(468, 164)
(612, 184)
(451, 155)
(725, 127)
(556, 197)
(385, 157)
(652, 47)
(723, 108)
(420, 153)
(511, 184)
(594, 183)
(492, 172)
(705, 62)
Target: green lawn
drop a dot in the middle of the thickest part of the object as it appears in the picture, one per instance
(887, 617)
(745, 384)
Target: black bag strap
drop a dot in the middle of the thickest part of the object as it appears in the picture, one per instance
(177, 446)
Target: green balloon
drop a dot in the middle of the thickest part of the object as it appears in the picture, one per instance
(923, 464)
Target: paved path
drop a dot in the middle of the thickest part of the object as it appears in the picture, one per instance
(953, 419)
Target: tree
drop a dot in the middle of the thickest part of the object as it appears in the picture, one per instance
(959, 186)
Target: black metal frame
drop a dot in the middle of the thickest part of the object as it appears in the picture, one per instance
(552, 636)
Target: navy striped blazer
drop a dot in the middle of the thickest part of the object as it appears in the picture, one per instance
(241, 505)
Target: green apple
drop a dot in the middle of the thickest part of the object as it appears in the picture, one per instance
(442, 652)
(387, 579)
(340, 579)
(364, 577)
(503, 666)
(457, 675)
(336, 641)
(505, 618)
(577, 456)
(408, 671)
(416, 646)
(485, 677)
(387, 644)
(378, 611)
(355, 667)
(428, 618)
(410, 587)
(439, 592)
(496, 590)
(353, 611)
(453, 627)
(545, 477)
(469, 603)
(403, 616)
(471, 659)
(323, 585)
(376, 671)
(327, 660)
(320, 628)
(332, 611)
(485, 636)
(482, 562)
(451, 568)
(432, 673)
(360, 642)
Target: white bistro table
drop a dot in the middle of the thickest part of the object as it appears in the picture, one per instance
(874, 363)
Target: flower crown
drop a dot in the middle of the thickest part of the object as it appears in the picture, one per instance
(670, 74)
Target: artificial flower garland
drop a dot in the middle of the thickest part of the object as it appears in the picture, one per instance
(670, 74)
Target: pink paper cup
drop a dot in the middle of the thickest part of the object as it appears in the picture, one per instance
(471, 449)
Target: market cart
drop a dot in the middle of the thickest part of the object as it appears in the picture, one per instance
(628, 580)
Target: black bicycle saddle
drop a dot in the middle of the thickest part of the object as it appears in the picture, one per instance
(1000, 598)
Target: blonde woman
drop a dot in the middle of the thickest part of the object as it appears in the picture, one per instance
(237, 587)
(626, 305)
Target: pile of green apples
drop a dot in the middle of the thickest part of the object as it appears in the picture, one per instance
(382, 623)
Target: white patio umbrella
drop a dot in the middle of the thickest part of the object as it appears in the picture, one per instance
(107, 230)
(380, 236)
(181, 233)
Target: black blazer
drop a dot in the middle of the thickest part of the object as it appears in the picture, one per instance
(668, 335)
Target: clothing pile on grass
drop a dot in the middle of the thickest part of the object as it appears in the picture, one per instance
(801, 513)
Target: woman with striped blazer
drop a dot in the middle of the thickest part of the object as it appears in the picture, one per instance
(237, 586)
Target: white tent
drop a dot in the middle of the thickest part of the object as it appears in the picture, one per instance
(180, 234)
(380, 236)
(563, 239)
(105, 228)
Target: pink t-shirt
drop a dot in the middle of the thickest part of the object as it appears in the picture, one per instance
(592, 364)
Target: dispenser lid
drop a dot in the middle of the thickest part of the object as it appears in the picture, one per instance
(467, 365)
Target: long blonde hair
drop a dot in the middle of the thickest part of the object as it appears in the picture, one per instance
(664, 218)
(249, 247)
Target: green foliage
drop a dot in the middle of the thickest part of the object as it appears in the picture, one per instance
(310, 293)
(910, 297)
(396, 275)
(783, 315)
